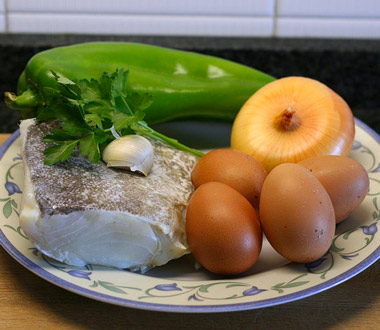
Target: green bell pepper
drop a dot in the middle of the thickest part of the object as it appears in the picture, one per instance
(183, 84)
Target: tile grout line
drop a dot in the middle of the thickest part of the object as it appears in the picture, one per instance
(6, 16)
(275, 15)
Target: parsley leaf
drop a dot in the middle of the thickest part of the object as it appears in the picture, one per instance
(59, 152)
(89, 109)
(88, 146)
(58, 136)
(139, 102)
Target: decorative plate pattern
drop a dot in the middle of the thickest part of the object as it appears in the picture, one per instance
(179, 286)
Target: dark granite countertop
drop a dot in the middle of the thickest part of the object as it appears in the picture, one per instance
(350, 67)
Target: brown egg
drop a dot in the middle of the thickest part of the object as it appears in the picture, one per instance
(223, 229)
(234, 168)
(296, 213)
(345, 180)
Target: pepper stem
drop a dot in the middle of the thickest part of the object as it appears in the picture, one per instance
(27, 102)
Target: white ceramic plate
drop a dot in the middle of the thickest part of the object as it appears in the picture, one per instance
(179, 286)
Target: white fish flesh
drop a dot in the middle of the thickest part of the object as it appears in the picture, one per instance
(78, 212)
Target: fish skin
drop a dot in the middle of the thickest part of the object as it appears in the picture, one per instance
(79, 212)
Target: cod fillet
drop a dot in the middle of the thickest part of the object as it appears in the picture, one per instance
(79, 212)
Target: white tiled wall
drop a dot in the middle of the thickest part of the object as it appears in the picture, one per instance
(278, 18)
(142, 17)
(328, 18)
(147, 7)
(329, 8)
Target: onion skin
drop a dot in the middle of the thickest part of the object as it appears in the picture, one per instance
(347, 126)
(292, 119)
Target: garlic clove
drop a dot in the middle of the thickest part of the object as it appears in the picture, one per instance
(131, 152)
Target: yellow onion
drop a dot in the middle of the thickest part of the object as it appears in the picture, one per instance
(291, 119)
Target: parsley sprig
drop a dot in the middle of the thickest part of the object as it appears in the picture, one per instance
(91, 112)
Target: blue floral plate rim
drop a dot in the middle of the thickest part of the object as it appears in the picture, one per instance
(185, 308)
